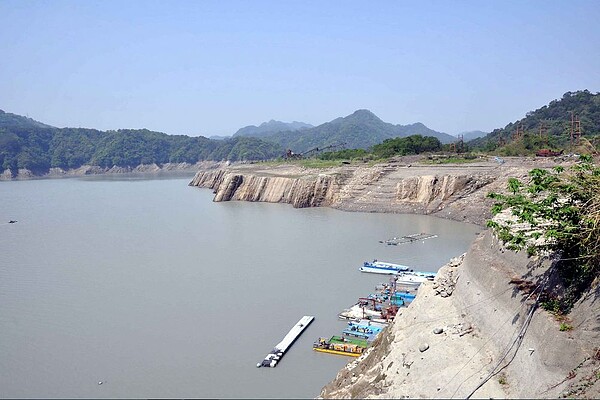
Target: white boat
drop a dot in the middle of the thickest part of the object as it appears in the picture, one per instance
(385, 266)
(403, 278)
(405, 274)
(409, 278)
(357, 312)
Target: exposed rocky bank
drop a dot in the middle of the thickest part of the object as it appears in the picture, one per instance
(403, 186)
(471, 322)
(87, 170)
(477, 330)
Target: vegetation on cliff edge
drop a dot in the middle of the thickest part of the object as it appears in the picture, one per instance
(556, 212)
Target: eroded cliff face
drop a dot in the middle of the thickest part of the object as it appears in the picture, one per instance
(314, 191)
(369, 189)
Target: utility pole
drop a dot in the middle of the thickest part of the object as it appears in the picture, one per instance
(544, 133)
(575, 129)
(518, 133)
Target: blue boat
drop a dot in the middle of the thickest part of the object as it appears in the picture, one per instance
(364, 329)
(401, 298)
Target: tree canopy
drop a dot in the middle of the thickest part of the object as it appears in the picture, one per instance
(40, 148)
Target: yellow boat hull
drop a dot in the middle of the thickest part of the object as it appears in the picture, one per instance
(341, 353)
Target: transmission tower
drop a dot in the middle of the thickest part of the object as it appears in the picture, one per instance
(518, 133)
(544, 133)
(575, 129)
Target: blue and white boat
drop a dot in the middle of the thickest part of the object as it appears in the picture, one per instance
(402, 274)
(364, 329)
(380, 267)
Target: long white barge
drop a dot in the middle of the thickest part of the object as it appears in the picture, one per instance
(403, 278)
(279, 350)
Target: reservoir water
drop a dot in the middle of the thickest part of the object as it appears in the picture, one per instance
(148, 286)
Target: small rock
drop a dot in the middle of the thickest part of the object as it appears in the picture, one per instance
(423, 347)
(437, 331)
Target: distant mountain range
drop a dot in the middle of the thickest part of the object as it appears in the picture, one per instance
(271, 127)
(26, 143)
(359, 130)
(219, 137)
(472, 135)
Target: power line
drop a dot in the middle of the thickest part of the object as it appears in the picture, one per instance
(485, 344)
(517, 342)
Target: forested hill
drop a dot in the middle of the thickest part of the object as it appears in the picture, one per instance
(359, 130)
(39, 147)
(556, 118)
(8, 120)
(268, 128)
(472, 135)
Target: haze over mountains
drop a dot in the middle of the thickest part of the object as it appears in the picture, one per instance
(472, 135)
(361, 129)
(268, 128)
(26, 143)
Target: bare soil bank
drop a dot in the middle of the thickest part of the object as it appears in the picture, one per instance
(483, 320)
(455, 191)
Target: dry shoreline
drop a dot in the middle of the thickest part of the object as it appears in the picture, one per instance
(403, 185)
(472, 300)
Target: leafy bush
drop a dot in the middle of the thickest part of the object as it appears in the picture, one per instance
(560, 211)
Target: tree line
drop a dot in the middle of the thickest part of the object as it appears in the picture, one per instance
(41, 148)
(399, 146)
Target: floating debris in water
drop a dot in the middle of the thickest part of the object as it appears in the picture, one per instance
(408, 239)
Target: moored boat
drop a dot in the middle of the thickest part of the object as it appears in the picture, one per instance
(364, 329)
(357, 312)
(400, 298)
(382, 265)
(341, 339)
(342, 347)
(405, 278)
(405, 275)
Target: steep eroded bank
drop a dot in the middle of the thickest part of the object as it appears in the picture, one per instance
(481, 316)
(450, 191)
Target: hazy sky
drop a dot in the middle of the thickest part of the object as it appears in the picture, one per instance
(211, 67)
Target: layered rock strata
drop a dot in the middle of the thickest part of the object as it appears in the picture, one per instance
(444, 191)
(299, 192)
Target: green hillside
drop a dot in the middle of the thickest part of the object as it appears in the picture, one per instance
(359, 130)
(555, 118)
(39, 147)
(271, 127)
(8, 120)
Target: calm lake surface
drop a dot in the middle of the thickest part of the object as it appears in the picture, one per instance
(150, 287)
